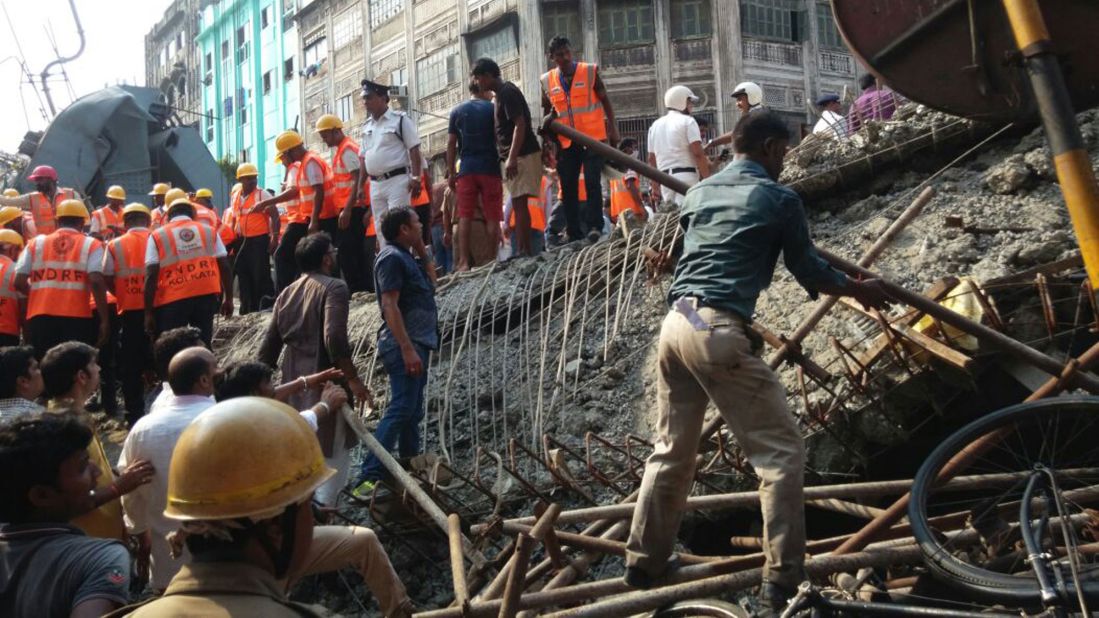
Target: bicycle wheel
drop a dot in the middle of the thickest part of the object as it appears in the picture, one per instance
(970, 534)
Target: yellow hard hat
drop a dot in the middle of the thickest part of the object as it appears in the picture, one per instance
(328, 122)
(247, 169)
(11, 193)
(135, 207)
(11, 237)
(223, 468)
(116, 193)
(287, 140)
(179, 200)
(204, 193)
(174, 194)
(9, 214)
(159, 188)
(72, 208)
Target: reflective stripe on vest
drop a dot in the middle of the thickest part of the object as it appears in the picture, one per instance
(622, 199)
(343, 180)
(107, 218)
(128, 253)
(43, 210)
(306, 191)
(578, 106)
(245, 222)
(294, 212)
(9, 298)
(188, 267)
(536, 210)
(59, 275)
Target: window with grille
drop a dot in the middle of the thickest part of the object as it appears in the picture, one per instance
(347, 28)
(242, 34)
(345, 107)
(399, 77)
(690, 18)
(625, 22)
(382, 11)
(497, 43)
(826, 28)
(315, 52)
(774, 19)
(288, 69)
(437, 71)
(563, 18)
(210, 125)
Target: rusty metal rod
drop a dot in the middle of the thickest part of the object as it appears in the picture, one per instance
(601, 545)
(847, 508)
(959, 462)
(457, 564)
(545, 522)
(518, 576)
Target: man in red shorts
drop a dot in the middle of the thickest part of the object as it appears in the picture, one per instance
(472, 136)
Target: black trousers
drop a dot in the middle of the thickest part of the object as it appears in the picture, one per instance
(370, 248)
(581, 218)
(197, 311)
(135, 359)
(286, 267)
(7, 341)
(46, 331)
(252, 267)
(108, 367)
(352, 254)
(424, 213)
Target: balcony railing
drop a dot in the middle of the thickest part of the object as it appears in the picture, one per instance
(692, 50)
(772, 53)
(643, 55)
(839, 64)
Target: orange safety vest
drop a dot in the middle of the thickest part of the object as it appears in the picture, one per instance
(578, 106)
(535, 207)
(206, 216)
(423, 199)
(293, 207)
(128, 253)
(343, 180)
(59, 274)
(43, 209)
(188, 267)
(581, 191)
(245, 222)
(306, 192)
(158, 217)
(107, 218)
(9, 298)
(370, 231)
(622, 199)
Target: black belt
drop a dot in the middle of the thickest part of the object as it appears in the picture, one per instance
(390, 174)
(681, 170)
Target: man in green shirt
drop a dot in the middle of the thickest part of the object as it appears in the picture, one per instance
(735, 225)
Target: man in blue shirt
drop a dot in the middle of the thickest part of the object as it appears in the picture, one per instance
(405, 280)
(735, 225)
(472, 138)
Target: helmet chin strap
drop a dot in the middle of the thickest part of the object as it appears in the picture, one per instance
(280, 557)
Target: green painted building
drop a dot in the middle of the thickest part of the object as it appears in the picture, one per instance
(248, 55)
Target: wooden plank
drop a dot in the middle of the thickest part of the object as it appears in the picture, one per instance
(937, 291)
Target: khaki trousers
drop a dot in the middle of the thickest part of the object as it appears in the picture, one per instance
(338, 547)
(717, 364)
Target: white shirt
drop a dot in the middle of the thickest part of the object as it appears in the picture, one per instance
(154, 438)
(382, 149)
(152, 256)
(108, 259)
(351, 160)
(831, 123)
(94, 265)
(670, 140)
(314, 174)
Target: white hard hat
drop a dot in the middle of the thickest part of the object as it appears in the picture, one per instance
(751, 90)
(677, 96)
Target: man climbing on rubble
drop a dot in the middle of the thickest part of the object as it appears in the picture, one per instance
(405, 278)
(735, 224)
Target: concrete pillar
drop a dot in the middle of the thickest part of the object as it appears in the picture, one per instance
(728, 63)
(410, 56)
(663, 51)
(368, 46)
(532, 53)
(811, 61)
(589, 26)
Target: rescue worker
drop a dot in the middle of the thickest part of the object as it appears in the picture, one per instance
(12, 303)
(248, 532)
(391, 153)
(575, 91)
(205, 197)
(257, 232)
(186, 269)
(625, 192)
(57, 271)
(203, 214)
(675, 143)
(107, 220)
(159, 196)
(44, 200)
(124, 269)
(313, 192)
(13, 218)
(749, 99)
(347, 190)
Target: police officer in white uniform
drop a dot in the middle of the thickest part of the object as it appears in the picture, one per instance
(391, 153)
(675, 143)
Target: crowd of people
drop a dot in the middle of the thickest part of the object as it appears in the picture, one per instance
(213, 500)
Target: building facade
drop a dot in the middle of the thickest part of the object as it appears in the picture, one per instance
(172, 60)
(790, 47)
(248, 54)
